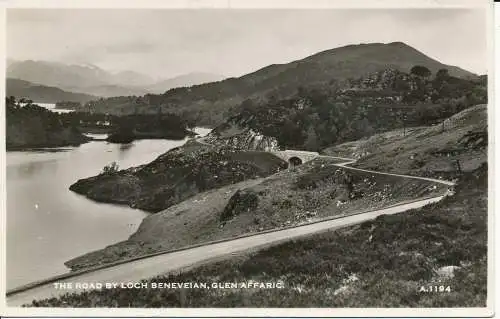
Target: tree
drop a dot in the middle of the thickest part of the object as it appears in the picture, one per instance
(110, 169)
(421, 71)
(442, 74)
(311, 142)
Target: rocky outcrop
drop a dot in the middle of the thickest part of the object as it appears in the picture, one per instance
(177, 175)
(234, 136)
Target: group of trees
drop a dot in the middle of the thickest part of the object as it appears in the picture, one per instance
(130, 127)
(20, 112)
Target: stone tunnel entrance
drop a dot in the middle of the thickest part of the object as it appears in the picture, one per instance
(294, 161)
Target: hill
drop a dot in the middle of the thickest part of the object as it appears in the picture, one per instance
(457, 144)
(184, 80)
(208, 103)
(42, 93)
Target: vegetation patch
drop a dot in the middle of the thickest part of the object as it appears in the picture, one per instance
(241, 202)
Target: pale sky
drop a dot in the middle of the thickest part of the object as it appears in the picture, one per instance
(166, 43)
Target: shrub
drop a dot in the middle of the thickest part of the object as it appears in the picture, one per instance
(241, 201)
(110, 168)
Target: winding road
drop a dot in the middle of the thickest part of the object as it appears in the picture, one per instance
(151, 266)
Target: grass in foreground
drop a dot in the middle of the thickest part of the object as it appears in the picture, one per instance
(380, 263)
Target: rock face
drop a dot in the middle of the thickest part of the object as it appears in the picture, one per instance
(177, 175)
(235, 136)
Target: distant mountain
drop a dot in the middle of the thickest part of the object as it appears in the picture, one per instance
(209, 103)
(88, 79)
(57, 74)
(184, 80)
(91, 79)
(131, 79)
(43, 94)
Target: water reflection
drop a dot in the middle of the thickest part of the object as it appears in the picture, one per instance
(123, 149)
(29, 169)
(126, 147)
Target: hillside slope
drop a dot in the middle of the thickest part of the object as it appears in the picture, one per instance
(42, 93)
(208, 102)
(456, 144)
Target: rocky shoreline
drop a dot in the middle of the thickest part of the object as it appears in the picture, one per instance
(176, 175)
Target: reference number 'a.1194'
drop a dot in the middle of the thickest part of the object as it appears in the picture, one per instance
(434, 289)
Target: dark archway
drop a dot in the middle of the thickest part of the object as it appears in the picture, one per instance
(294, 161)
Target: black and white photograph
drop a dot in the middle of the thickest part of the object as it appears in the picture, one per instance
(214, 155)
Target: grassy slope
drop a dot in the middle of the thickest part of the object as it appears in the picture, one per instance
(423, 150)
(380, 263)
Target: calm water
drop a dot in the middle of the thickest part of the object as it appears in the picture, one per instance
(47, 224)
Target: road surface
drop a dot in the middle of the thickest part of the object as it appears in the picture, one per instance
(351, 161)
(148, 267)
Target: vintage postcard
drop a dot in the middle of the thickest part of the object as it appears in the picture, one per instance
(241, 158)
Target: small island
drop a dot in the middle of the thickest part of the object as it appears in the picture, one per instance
(148, 126)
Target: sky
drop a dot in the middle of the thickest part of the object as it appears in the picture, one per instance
(168, 42)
